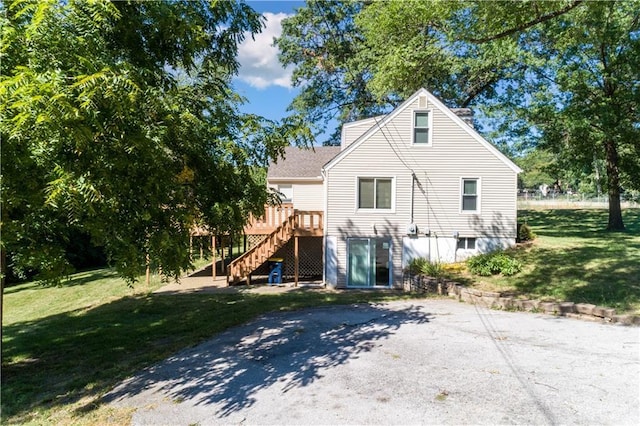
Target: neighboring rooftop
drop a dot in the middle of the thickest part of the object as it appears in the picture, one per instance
(302, 163)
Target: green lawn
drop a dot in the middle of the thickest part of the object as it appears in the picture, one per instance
(575, 259)
(65, 346)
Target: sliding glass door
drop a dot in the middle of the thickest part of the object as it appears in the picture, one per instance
(369, 262)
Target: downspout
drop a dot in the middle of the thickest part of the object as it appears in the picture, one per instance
(324, 225)
(413, 181)
(426, 196)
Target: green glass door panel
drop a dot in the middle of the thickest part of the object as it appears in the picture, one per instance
(358, 263)
(369, 262)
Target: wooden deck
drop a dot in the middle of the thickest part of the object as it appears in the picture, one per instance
(293, 224)
(273, 217)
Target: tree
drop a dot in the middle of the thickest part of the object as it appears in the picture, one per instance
(567, 69)
(592, 86)
(119, 120)
(331, 66)
(539, 168)
(561, 74)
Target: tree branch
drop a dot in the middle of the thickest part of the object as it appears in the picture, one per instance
(527, 25)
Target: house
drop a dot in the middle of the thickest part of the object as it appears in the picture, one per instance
(298, 176)
(291, 230)
(417, 182)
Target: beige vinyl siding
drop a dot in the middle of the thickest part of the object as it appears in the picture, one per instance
(352, 131)
(439, 168)
(308, 196)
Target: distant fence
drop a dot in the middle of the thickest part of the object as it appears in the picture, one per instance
(565, 201)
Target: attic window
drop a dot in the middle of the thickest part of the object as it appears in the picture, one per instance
(422, 127)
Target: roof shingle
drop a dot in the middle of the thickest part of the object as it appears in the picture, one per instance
(302, 163)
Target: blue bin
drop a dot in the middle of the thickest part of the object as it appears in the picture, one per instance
(275, 271)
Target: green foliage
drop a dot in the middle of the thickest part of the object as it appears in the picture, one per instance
(574, 259)
(427, 44)
(64, 347)
(420, 265)
(416, 265)
(539, 167)
(119, 121)
(558, 75)
(525, 233)
(433, 269)
(331, 66)
(493, 263)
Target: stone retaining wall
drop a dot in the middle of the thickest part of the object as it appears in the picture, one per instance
(506, 301)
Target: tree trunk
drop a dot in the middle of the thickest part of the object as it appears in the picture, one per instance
(3, 273)
(613, 175)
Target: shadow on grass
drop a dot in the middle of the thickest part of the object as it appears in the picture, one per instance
(582, 223)
(60, 360)
(575, 259)
(78, 278)
(580, 261)
(585, 274)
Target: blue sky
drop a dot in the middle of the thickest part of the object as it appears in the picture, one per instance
(262, 79)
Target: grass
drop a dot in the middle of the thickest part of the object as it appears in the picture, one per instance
(63, 347)
(574, 259)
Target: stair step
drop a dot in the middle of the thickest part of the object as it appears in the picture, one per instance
(264, 250)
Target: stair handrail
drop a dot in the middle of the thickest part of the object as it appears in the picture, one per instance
(240, 267)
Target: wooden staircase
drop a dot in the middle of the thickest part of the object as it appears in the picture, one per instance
(299, 223)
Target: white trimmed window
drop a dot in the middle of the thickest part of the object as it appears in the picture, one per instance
(466, 243)
(422, 128)
(375, 193)
(286, 193)
(470, 195)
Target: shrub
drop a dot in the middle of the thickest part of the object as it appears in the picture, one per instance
(420, 265)
(434, 269)
(525, 233)
(416, 265)
(493, 263)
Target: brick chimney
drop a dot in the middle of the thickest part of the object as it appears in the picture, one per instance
(466, 114)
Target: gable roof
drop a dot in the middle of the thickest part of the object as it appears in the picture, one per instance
(302, 164)
(448, 112)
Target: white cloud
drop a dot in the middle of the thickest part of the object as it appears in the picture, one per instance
(259, 65)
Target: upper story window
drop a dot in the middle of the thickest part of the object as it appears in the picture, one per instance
(470, 195)
(375, 193)
(286, 193)
(422, 127)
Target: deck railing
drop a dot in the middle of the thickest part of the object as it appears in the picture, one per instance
(298, 223)
(308, 223)
(273, 217)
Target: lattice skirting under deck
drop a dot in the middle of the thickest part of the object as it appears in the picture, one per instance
(310, 264)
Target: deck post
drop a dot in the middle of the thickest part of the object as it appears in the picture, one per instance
(214, 264)
(296, 260)
(148, 271)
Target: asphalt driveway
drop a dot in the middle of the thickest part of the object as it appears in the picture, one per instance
(417, 362)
